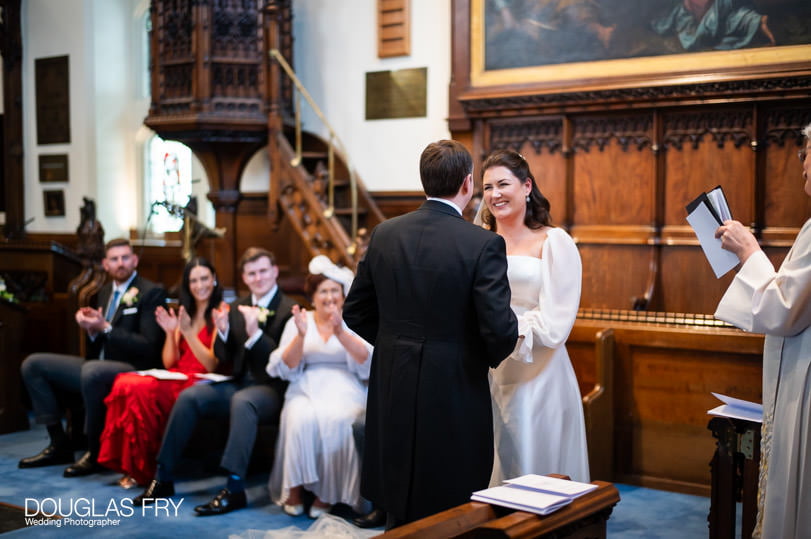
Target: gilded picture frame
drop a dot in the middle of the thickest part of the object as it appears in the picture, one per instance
(647, 51)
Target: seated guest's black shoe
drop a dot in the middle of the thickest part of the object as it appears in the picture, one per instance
(375, 519)
(224, 502)
(156, 489)
(47, 457)
(86, 465)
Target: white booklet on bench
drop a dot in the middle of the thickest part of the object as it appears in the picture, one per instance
(537, 494)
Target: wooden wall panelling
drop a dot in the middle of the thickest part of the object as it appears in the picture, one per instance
(688, 284)
(785, 208)
(705, 149)
(614, 275)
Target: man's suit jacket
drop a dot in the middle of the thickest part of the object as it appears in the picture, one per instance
(432, 296)
(136, 337)
(255, 359)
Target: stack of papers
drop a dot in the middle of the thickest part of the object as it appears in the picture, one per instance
(537, 494)
(738, 409)
(705, 214)
(162, 374)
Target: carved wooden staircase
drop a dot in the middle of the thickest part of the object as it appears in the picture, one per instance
(303, 199)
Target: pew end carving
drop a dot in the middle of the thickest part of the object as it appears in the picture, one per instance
(592, 356)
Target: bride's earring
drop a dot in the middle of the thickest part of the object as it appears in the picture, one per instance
(527, 199)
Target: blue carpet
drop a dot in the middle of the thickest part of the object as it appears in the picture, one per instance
(642, 512)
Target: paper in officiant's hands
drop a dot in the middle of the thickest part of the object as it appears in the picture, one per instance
(705, 214)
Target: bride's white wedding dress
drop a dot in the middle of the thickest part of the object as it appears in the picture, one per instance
(537, 409)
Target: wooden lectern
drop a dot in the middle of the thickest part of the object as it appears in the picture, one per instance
(734, 476)
(584, 517)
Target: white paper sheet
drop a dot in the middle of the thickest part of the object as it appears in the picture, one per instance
(522, 499)
(738, 409)
(554, 485)
(162, 374)
(704, 225)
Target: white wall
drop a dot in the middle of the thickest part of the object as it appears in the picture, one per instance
(106, 110)
(335, 46)
(57, 29)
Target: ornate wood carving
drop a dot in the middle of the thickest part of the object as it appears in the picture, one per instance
(540, 133)
(733, 125)
(646, 96)
(627, 130)
(783, 124)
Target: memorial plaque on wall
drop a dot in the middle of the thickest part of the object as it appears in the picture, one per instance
(53, 100)
(53, 168)
(396, 94)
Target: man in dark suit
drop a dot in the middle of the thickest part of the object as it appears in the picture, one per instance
(122, 333)
(432, 295)
(247, 333)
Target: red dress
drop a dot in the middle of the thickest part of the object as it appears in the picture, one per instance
(138, 408)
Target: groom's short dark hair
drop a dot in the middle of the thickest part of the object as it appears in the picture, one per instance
(443, 167)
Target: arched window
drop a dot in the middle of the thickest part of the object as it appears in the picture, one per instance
(169, 183)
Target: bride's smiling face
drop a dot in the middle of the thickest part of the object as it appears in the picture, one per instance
(504, 194)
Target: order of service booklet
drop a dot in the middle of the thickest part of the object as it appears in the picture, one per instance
(738, 409)
(705, 214)
(532, 493)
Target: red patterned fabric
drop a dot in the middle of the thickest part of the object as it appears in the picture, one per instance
(138, 408)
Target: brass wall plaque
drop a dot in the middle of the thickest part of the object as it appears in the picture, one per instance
(53, 168)
(51, 79)
(396, 94)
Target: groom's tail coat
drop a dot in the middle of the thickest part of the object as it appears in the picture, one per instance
(432, 296)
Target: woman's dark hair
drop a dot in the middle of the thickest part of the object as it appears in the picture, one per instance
(186, 297)
(537, 215)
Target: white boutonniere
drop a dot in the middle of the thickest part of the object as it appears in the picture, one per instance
(130, 297)
(263, 315)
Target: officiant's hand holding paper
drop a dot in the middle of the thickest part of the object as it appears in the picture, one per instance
(737, 239)
(703, 214)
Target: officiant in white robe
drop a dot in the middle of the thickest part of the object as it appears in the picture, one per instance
(778, 304)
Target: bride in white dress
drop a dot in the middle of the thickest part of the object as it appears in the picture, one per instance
(537, 410)
(326, 364)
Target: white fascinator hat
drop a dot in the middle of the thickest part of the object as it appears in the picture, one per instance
(321, 265)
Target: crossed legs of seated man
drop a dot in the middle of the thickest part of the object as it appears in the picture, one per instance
(46, 376)
(245, 407)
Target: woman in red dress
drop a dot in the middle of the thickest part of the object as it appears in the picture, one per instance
(138, 406)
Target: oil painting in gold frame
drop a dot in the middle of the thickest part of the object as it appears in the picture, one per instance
(662, 54)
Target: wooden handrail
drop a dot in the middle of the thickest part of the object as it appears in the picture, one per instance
(333, 141)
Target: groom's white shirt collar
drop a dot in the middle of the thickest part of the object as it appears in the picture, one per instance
(448, 202)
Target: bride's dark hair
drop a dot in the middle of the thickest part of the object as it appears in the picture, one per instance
(537, 215)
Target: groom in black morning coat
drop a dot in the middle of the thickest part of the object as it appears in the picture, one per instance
(432, 295)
